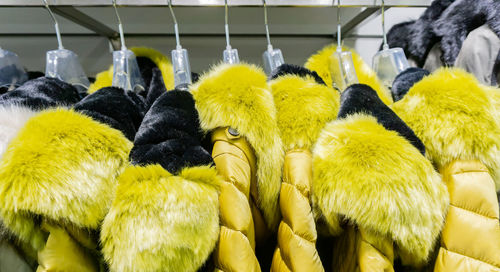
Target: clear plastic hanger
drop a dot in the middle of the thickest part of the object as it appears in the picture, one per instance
(230, 55)
(12, 73)
(126, 73)
(272, 58)
(342, 62)
(180, 58)
(63, 63)
(388, 63)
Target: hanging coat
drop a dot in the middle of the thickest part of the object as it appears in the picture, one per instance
(57, 174)
(454, 116)
(323, 64)
(417, 37)
(235, 105)
(16, 108)
(304, 104)
(165, 214)
(379, 197)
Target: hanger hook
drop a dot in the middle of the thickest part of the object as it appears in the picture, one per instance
(226, 25)
(176, 26)
(385, 46)
(120, 27)
(268, 37)
(339, 27)
(56, 25)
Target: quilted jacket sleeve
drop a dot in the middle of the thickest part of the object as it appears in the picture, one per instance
(470, 240)
(235, 162)
(297, 231)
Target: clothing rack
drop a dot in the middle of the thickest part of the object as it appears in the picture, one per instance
(360, 12)
(197, 3)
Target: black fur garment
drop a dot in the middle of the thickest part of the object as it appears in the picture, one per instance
(113, 106)
(405, 80)
(360, 98)
(416, 37)
(170, 134)
(459, 19)
(41, 93)
(290, 69)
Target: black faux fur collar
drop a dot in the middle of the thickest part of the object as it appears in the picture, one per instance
(459, 19)
(416, 37)
(170, 134)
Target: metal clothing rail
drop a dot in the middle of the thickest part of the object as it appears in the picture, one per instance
(206, 3)
(69, 9)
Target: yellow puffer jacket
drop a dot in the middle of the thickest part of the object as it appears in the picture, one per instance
(304, 106)
(454, 116)
(377, 194)
(56, 177)
(373, 189)
(235, 104)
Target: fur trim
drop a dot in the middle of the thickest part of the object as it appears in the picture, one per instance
(238, 96)
(405, 80)
(416, 37)
(42, 93)
(290, 69)
(376, 179)
(170, 134)
(105, 78)
(62, 166)
(12, 120)
(359, 98)
(453, 115)
(459, 19)
(321, 63)
(161, 222)
(112, 106)
(303, 108)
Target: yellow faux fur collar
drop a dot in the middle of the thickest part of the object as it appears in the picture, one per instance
(377, 180)
(62, 166)
(303, 108)
(238, 96)
(454, 117)
(161, 222)
(321, 64)
(105, 78)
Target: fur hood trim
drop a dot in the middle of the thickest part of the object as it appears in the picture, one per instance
(377, 180)
(162, 222)
(12, 119)
(238, 96)
(453, 116)
(303, 108)
(417, 37)
(105, 78)
(459, 19)
(321, 64)
(62, 166)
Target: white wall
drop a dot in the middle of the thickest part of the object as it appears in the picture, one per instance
(315, 27)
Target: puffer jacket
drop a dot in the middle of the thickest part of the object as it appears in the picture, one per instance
(323, 64)
(16, 108)
(304, 105)
(235, 105)
(165, 214)
(56, 175)
(374, 190)
(455, 118)
(65, 159)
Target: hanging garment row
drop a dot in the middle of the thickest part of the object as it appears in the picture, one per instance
(302, 169)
